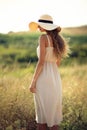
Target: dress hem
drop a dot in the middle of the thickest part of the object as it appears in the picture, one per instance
(48, 124)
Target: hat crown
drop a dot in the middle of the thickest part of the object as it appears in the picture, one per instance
(46, 17)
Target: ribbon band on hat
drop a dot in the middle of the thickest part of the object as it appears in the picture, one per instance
(45, 21)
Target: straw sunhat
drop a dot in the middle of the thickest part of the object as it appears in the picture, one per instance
(45, 21)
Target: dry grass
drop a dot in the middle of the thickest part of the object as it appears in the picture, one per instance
(17, 102)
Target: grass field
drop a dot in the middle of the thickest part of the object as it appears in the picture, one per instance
(17, 56)
(17, 107)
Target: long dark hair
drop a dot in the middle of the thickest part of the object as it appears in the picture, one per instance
(59, 44)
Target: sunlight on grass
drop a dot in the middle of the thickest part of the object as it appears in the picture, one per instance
(17, 102)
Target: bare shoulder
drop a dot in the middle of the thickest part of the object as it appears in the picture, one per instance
(43, 39)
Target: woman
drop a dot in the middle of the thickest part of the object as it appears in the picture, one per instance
(46, 83)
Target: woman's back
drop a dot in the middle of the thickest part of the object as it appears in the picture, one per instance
(50, 55)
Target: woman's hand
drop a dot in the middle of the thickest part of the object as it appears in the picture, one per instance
(32, 87)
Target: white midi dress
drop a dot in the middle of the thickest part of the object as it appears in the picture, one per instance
(48, 96)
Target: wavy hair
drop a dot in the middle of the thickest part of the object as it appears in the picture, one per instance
(61, 48)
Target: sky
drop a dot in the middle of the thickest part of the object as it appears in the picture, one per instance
(15, 15)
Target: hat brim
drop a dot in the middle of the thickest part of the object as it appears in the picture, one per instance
(34, 26)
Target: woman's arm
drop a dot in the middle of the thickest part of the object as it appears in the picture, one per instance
(39, 66)
(58, 62)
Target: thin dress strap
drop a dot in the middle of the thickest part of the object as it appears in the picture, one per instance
(48, 40)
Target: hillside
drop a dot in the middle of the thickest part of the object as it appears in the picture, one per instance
(81, 30)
